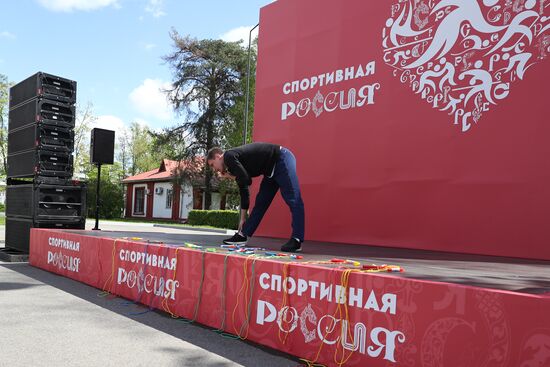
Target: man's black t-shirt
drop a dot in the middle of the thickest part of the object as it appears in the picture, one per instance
(250, 160)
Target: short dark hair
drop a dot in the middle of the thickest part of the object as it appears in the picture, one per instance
(212, 152)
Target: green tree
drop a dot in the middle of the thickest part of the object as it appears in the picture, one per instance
(208, 77)
(4, 88)
(143, 156)
(123, 152)
(85, 118)
(110, 191)
(232, 131)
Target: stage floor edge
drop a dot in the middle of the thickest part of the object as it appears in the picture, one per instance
(314, 311)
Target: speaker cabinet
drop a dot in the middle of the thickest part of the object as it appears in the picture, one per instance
(47, 137)
(43, 85)
(42, 111)
(18, 230)
(102, 146)
(39, 162)
(46, 202)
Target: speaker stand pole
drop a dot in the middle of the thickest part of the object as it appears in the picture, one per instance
(96, 228)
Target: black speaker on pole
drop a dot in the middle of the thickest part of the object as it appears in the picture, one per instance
(102, 151)
(102, 146)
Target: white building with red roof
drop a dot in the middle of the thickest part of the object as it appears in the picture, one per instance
(154, 194)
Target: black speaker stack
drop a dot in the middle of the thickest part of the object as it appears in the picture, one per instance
(40, 191)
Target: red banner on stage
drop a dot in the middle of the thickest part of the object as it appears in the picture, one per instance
(331, 316)
(418, 124)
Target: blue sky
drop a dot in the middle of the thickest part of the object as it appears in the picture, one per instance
(114, 48)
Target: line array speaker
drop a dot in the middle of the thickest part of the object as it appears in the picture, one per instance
(42, 111)
(40, 145)
(43, 85)
(40, 163)
(47, 137)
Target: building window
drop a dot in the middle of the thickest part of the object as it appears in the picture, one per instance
(168, 199)
(139, 201)
(197, 199)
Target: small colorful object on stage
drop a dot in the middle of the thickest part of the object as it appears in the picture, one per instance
(228, 246)
(353, 262)
(281, 254)
(256, 248)
(192, 245)
(384, 267)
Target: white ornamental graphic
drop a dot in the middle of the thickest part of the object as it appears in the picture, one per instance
(462, 56)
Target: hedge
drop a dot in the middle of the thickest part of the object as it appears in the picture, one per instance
(228, 219)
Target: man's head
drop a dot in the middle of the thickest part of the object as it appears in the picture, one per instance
(214, 159)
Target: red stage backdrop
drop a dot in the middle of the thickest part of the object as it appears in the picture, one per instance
(418, 124)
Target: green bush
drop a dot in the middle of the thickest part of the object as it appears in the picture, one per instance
(110, 193)
(216, 218)
(2, 207)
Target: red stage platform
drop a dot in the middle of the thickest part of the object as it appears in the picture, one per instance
(330, 313)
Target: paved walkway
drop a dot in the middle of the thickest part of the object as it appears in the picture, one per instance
(49, 320)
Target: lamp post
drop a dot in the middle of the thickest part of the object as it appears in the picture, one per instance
(245, 131)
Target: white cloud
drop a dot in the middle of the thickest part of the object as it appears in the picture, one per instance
(149, 46)
(6, 34)
(239, 34)
(150, 101)
(146, 46)
(110, 122)
(71, 5)
(147, 124)
(154, 7)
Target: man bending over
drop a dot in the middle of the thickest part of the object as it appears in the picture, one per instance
(278, 166)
